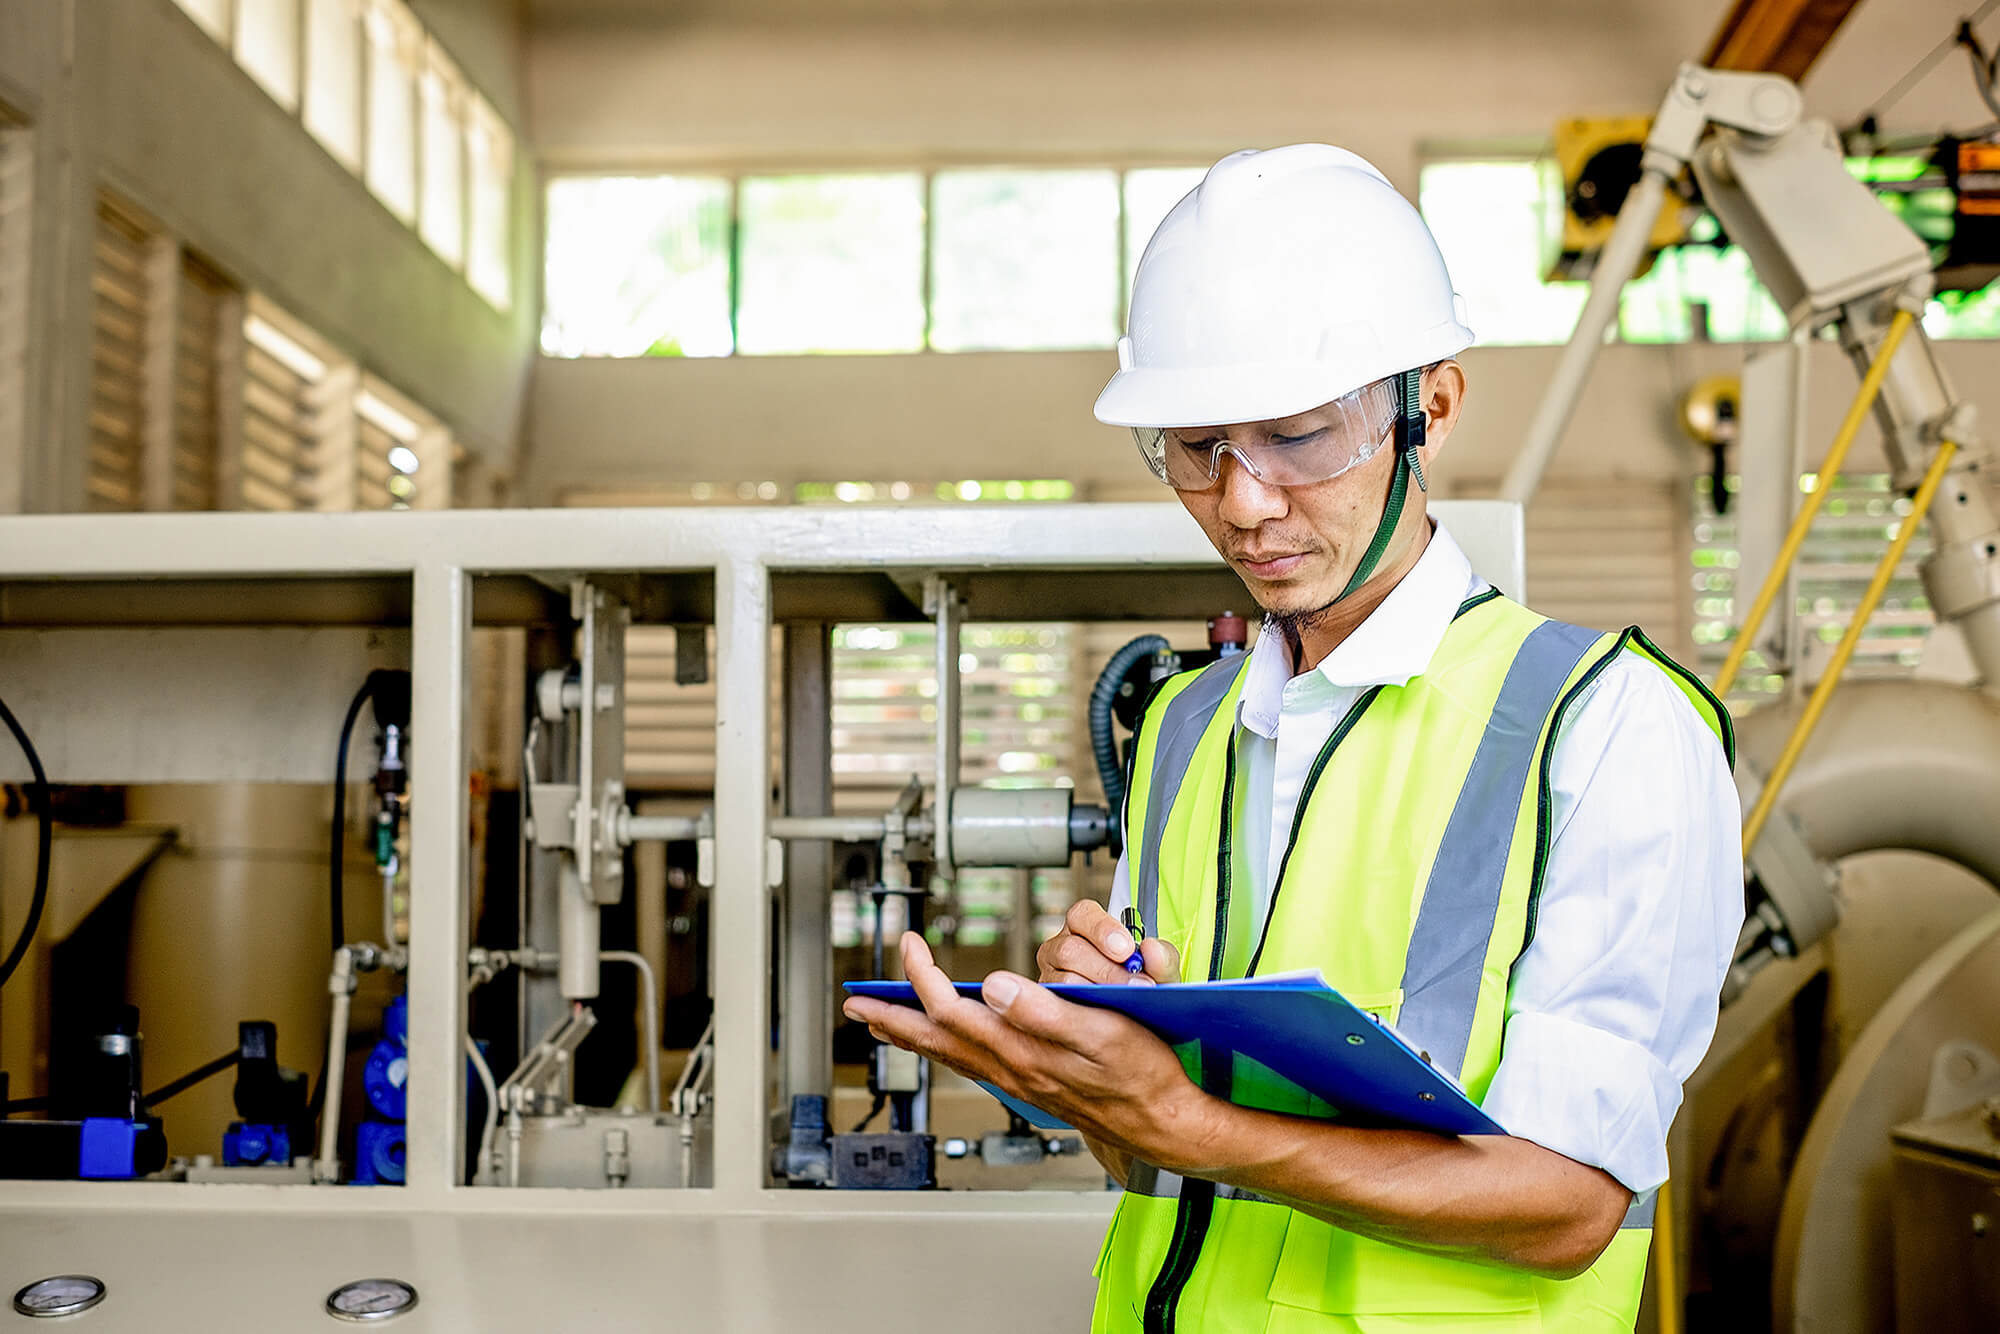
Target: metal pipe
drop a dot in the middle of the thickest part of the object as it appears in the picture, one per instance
(1884, 572)
(492, 1118)
(1843, 440)
(580, 926)
(833, 828)
(1615, 265)
(649, 998)
(340, 986)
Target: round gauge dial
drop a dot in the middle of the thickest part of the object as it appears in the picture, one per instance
(65, 1294)
(371, 1299)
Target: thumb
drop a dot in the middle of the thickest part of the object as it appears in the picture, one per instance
(1163, 961)
(1033, 1009)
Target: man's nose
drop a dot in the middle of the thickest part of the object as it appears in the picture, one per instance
(1245, 500)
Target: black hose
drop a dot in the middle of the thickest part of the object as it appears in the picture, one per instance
(190, 1079)
(1103, 744)
(337, 851)
(43, 839)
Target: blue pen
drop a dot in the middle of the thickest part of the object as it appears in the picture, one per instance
(1137, 963)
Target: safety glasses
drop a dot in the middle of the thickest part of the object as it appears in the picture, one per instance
(1315, 446)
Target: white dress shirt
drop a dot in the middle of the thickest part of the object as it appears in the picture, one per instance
(1614, 1001)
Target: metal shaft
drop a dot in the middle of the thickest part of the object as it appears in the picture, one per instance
(1615, 265)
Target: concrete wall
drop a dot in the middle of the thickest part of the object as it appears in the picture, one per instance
(613, 84)
(131, 95)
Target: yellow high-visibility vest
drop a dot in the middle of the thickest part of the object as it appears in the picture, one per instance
(1410, 880)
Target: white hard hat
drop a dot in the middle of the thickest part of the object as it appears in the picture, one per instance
(1284, 280)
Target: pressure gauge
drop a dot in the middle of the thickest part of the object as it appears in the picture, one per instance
(65, 1294)
(371, 1299)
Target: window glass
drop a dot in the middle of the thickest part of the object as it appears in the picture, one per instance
(831, 264)
(1150, 194)
(489, 149)
(1024, 259)
(267, 46)
(394, 47)
(1488, 221)
(443, 157)
(332, 109)
(1655, 308)
(637, 266)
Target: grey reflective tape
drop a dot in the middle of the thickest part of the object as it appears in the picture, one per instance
(1181, 729)
(1159, 1184)
(1455, 922)
(1641, 1212)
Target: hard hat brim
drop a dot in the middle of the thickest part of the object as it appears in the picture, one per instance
(1166, 396)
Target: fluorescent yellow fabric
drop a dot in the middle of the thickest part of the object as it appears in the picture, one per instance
(1347, 903)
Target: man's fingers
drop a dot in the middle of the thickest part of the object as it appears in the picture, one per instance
(1087, 918)
(933, 988)
(1031, 1009)
(1074, 954)
(1163, 961)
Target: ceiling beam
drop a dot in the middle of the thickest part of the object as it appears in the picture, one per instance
(1776, 36)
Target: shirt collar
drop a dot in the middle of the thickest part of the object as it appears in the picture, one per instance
(1395, 643)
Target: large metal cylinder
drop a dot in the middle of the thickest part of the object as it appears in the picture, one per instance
(231, 924)
(1893, 765)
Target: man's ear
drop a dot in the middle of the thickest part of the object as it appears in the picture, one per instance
(1444, 397)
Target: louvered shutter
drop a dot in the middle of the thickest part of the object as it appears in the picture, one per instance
(1610, 554)
(1852, 532)
(119, 289)
(205, 302)
(277, 472)
(16, 177)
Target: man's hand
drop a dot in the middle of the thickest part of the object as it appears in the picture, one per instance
(1093, 947)
(1109, 1077)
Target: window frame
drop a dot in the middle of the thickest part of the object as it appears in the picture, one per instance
(736, 174)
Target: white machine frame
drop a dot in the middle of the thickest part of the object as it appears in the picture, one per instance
(718, 1240)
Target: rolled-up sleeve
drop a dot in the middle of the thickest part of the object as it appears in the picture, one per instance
(1614, 1001)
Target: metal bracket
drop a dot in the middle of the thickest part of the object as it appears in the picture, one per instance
(1766, 105)
(1804, 890)
(600, 858)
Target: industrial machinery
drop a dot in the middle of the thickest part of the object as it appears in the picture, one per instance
(1791, 1125)
(198, 649)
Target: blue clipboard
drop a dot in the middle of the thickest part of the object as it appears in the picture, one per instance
(1292, 1042)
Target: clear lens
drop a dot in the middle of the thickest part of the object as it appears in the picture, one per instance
(1314, 446)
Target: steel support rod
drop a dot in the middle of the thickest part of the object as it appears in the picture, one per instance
(1615, 266)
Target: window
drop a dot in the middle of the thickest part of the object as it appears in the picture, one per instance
(1150, 194)
(1659, 307)
(267, 47)
(388, 104)
(489, 149)
(442, 155)
(1852, 531)
(638, 266)
(395, 50)
(1488, 218)
(204, 309)
(1024, 259)
(332, 111)
(831, 264)
(707, 265)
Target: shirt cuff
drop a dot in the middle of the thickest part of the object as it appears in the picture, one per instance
(1589, 1095)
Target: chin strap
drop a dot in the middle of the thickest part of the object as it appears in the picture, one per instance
(1409, 439)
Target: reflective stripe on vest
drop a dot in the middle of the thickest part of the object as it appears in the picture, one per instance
(1462, 896)
(1187, 716)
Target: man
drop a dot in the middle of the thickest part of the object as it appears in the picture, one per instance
(1513, 839)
